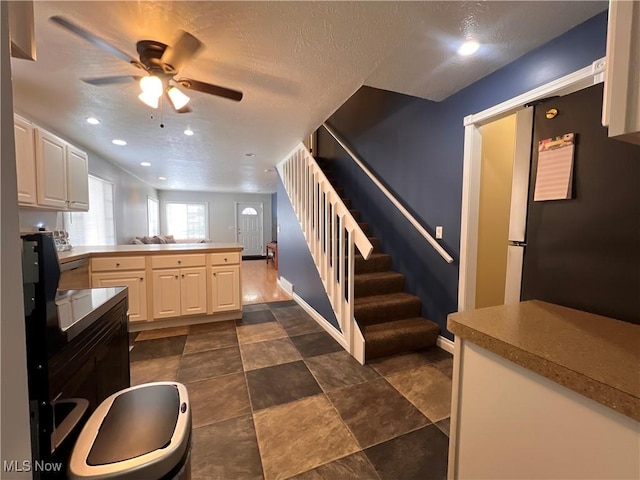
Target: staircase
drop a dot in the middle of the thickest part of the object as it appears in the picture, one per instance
(388, 317)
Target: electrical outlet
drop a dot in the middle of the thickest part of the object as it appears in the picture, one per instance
(439, 232)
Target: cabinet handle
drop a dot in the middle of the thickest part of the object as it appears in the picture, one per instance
(179, 262)
(176, 276)
(117, 264)
(225, 259)
(214, 274)
(182, 276)
(141, 279)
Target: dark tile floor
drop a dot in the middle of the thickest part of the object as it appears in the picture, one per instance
(274, 396)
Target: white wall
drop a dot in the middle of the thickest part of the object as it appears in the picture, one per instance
(15, 440)
(222, 211)
(130, 198)
(130, 202)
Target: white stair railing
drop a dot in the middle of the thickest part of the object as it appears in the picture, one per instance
(332, 234)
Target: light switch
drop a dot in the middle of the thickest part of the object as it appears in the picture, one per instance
(439, 232)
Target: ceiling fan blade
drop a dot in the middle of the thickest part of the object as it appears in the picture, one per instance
(182, 51)
(90, 37)
(100, 81)
(210, 89)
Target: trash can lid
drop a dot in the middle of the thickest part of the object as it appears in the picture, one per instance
(139, 422)
(140, 432)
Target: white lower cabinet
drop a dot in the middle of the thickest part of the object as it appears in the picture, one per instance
(225, 289)
(193, 291)
(179, 291)
(166, 293)
(136, 283)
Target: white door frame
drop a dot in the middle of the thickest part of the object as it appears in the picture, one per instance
(583, 78)
(260, 213)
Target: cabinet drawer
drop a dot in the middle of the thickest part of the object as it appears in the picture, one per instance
(229, 258)
(117, 263)
(178, 261)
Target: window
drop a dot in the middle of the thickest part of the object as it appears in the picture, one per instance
(249, 211)
(153, 217)
(187, 221)
(95, 227)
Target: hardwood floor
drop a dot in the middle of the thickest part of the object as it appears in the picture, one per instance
(259, 283)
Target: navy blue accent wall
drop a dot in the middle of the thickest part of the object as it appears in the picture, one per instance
(415, 147)
(295, 262)
(274, 216)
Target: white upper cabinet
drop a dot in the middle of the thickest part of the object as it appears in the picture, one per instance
(51, 170)
(25, 161)
(621, 109)
(77, 179)
(52, 173)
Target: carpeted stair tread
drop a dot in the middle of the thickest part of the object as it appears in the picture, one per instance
(405, 335)
(384, 308)
(355, 214)
(364, 227)
(377, 262)
(377, 283)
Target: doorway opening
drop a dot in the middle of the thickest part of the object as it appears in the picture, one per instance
(472, 176)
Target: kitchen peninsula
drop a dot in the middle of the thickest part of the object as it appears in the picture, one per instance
(544, 391)
(169, 284)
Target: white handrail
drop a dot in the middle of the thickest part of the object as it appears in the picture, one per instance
(443, 253)
(332, 235)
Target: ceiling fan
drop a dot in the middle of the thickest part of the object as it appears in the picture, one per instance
(161, 63)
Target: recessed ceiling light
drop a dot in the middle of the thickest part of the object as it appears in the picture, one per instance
(119, 142)
(188, 131)
(173, 186)
(162, 178)
(249, 154)
(93, 121)
(468, 48)
(145, 164)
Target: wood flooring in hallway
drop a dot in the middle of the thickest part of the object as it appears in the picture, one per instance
(260, 283)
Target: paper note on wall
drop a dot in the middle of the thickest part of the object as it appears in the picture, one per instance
(554, 177)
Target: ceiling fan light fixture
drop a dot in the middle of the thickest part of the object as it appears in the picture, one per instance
(178, 99)
(148, 99)
(151, 85)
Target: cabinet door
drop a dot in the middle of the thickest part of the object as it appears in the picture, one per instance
(193, 290)
(77, 179)
(166, 293)
(51, 170)
(25, 161)
(225, 289)
(137, 286)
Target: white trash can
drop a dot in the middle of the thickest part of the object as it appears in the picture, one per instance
(142, 432)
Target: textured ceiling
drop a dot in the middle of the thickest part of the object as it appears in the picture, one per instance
(296, 63)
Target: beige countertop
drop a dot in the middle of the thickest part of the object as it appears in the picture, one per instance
(171, 248)
(595, 356)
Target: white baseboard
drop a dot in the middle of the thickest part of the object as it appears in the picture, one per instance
(286, 285)
(445, 344)
(323, 322)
